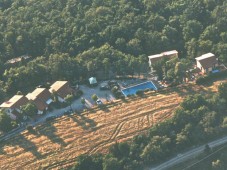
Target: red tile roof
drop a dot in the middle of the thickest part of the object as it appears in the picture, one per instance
(15, 102)
(39, 97)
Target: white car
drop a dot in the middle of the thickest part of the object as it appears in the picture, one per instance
(99, 102)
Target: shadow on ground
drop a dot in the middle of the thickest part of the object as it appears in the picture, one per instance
(22, 142)
(84, 122)
(2, 145)
(50, 133)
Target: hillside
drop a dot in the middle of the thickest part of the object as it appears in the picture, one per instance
(74, 40)
(91, 132)
(58, 143)
(87, 36)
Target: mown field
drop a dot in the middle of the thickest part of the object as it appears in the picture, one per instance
(56, 144)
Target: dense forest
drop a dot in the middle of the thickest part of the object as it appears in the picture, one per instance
(73, 39)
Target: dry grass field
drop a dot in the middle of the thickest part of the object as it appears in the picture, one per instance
(56, 144)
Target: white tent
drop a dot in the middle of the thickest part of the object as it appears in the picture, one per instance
(92, 80)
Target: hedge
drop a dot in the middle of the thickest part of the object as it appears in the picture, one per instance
(211, 77)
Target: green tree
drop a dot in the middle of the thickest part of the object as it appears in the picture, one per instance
(222, 90)
(193, 102)
(29, 109)
(54, 96)
(111, 164)
(5, 122)
(106, 64)
(159, 66)
(157, 149)
(120, 150)
(192, 29)
(69, 100)
(61, 66)
(94, 97)
(83, 101)
(86, 162)
(180, 71)
(224, 123)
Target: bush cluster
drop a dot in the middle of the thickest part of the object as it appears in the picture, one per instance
(211, 77)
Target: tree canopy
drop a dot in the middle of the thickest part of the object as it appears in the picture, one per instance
(75, 39)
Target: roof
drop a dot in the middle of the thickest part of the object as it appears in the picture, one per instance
(39, 93)
(207, 60)
(39, 97)
(62, 88)
(170, 52)
(92, 80)
(164, 54)
(205, 56)
(18, 59)
(155, 56)
(15, 102)
(40, 104)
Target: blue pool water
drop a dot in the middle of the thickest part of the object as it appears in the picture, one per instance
(133, 89)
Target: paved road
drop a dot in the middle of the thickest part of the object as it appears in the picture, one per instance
(189, 154)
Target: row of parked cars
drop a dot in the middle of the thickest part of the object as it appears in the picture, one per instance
(108, 85)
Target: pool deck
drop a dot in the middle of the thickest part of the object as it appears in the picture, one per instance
(157, 85)
(138, 84)
(129, 83)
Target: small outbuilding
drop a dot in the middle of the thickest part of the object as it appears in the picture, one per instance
(207, 62)
(157, 57)
(93, 81)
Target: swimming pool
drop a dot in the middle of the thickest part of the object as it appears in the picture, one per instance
(133, 89)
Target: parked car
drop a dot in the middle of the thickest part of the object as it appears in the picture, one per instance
(68, 112)
(112, 83)
(99, 102)
(106, 87)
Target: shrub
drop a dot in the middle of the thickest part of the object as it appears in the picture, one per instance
(114, 89)
(83, 101)
(79, 93)
(146, 90)
(173, 84)
(30, 128)
(94, 97)
(118, 94)
(129, 95)
(202, 80)
(211, 77)
(14, 124)
(122, 97)
(139, 92)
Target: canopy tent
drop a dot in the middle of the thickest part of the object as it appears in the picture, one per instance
(92, 80)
